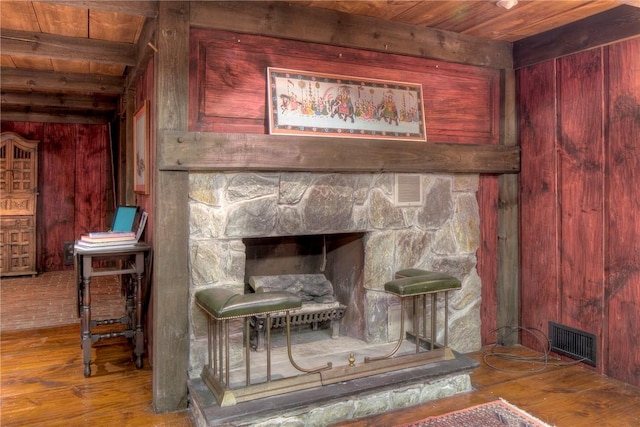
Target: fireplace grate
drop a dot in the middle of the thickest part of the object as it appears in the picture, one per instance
(574, 343)
(302, 318)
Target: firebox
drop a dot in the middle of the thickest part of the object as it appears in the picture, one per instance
(337, 257)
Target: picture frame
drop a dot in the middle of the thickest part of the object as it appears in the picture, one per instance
(332, 105)
(141, 149)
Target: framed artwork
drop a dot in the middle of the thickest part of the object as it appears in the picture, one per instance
(309, 103)
(141, 149)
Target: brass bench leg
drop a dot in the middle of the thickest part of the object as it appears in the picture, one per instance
(226, 353)
(211, 351)
(424, 316)
(446, 319)
(247, 352)
(416, 323)
(368, 359)
(220, 342)
(434, 319)
(267, 323)
(294, 364)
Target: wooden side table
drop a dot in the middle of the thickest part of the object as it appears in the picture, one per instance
(130, 260)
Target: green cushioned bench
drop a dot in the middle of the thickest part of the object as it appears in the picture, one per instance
(415, 284)
(223, 305)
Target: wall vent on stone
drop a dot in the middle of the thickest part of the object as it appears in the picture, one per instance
(408, 190)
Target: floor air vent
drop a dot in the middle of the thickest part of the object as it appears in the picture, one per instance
(572, 342)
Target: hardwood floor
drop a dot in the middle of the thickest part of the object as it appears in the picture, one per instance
(567, 396)
(42, 382)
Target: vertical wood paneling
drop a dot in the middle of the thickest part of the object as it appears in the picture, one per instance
(581, 192)
(90, 157)
(487, 260)
(57, 192)
(580, 256)
(72, 184)
(538, 204)
(622, 71)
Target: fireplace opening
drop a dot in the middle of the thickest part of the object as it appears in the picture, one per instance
(339, 257)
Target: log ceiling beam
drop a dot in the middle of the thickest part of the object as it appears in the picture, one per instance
(285, 20)
(191, 151)
(47, 81)
(145, 49)
(14, 100)
(47, 117)
(31, 44)
(611, 26)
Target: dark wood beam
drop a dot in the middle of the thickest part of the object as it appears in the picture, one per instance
(16, 116)
(614, 25)
(171, 274)
(69, 102)
(214, 151)
(145, 49)
(47, 81)
(135, 8)
(52, 46)
(285, 20)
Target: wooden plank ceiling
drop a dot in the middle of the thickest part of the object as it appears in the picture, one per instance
(71, 61)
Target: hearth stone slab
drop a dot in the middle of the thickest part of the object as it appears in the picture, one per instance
(326, 405)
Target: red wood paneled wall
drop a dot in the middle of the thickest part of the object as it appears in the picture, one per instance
(228, 90)
(579, 120)
(145, 91)
(73, 184)
(462, 105)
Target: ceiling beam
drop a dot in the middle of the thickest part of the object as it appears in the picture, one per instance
(68, 102)
(145, 49)
(16, 116)
(31, 44)
(47, 81)
(315, 25)
(148, 9)
(614, 25)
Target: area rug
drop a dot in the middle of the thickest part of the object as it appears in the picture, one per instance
(499, 413)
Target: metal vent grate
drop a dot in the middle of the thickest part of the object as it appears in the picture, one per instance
(573, 343)
(408, 190)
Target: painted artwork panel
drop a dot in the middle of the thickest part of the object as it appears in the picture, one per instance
(309, 103)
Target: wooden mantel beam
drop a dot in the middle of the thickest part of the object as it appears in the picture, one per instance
(189, 151)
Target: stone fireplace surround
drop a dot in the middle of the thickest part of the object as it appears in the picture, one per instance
(441, 235)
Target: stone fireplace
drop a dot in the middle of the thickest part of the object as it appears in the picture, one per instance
(229, 210)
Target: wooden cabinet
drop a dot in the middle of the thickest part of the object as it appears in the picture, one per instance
(18, 200)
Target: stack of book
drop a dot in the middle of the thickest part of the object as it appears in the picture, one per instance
(107, 239)
(112, 239)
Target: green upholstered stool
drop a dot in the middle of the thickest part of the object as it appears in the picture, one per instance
(416, 284)
(222, 305)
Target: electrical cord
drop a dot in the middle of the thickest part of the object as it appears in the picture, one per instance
(541, 358)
